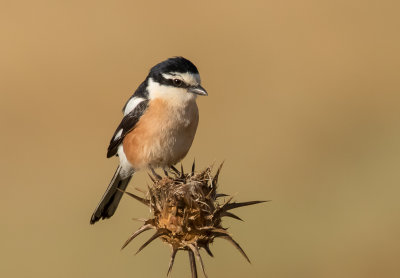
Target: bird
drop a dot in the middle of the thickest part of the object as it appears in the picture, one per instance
(157, 129)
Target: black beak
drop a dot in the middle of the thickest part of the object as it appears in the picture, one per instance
(198, 90)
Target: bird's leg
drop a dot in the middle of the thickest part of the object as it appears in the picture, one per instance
(174, 169)
(157, 176)
(165, 172)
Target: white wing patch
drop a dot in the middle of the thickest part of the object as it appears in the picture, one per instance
(132, 103)
(118, 135)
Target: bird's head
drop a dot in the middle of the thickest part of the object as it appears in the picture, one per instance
(175, 78)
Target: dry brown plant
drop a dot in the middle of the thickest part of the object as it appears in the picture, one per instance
(187, 213)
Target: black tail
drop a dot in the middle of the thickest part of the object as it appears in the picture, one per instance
(111, 198)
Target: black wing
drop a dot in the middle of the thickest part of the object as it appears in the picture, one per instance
(141, 92)
(127, 124)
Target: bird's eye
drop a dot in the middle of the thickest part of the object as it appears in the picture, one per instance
(177, 82)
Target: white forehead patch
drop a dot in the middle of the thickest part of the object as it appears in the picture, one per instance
(132, 103)
(192, 79)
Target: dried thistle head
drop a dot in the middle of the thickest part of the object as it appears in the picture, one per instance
(187, 214)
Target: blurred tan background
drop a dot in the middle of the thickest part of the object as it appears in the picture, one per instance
(303, 106)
